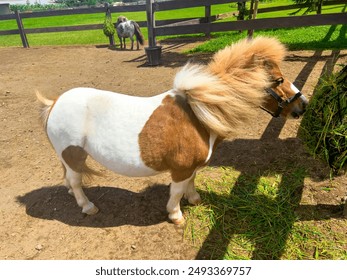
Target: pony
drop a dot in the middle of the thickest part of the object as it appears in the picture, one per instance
(176, 131)
(127, 29)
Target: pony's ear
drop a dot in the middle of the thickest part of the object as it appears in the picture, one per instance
(268, 65)
(256, 61)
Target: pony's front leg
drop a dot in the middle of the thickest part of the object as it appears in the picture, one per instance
(121, 42)
(177, 190)
(74, 181)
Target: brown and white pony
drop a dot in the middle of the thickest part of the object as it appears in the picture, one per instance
(176, 131)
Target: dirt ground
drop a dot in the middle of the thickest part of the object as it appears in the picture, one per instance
(39, 220)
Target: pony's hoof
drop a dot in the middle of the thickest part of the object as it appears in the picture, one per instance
(179, 221)
(90, 209)
(70, 191)
(195, 200)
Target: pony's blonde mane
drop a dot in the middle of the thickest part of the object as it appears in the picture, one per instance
(224, 93)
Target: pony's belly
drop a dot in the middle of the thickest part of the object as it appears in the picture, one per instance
(123, 164)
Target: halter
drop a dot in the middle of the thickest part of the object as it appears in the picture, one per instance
(281, 104)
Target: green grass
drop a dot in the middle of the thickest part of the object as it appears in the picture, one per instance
(253, 216)
(321, 37)
(308, 38)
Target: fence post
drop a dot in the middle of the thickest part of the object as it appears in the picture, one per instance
(22, 34)
(153, 51)
(208, 17)
(253, 15)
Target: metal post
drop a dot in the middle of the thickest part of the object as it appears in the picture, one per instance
(153, 51)
(21, 30)
(150, 23)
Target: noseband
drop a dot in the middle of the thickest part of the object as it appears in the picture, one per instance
(281, 104)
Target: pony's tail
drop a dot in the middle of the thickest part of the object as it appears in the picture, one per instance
(217, 105)
(138, 33)
(47, 105)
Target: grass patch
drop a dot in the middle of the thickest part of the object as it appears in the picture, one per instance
(305, 38)
(252, 216)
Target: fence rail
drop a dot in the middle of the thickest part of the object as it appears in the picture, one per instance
(256, 24)
(204, 25)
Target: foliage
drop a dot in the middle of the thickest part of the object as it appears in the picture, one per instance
(324, 126)
(108, 28)
(243, 11)
(78, 3)
(35, 7)
(312, 6)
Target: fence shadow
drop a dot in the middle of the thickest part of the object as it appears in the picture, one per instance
(246, 156)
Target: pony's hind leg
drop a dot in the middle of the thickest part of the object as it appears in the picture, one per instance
(74, 158)
(67, 182)
(132, 43)
(191, 194)
(74, 179)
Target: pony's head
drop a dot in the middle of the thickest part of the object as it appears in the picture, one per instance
(256, 64)
(284, 99)
(121, 19)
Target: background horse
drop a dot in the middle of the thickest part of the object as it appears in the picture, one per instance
(127, 29)
(176, 131)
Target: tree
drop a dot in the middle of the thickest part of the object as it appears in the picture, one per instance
(313, 5)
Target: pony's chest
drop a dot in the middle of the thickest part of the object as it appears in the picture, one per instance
(125, 29)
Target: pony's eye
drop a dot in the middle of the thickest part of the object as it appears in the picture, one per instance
(279, 81)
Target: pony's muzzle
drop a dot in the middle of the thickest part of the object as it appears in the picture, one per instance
(299, 108)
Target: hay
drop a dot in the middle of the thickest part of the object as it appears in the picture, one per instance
(324, 126)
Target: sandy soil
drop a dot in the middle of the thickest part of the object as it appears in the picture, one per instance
(39, 220)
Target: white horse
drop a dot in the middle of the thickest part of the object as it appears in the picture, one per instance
(176, 131)
(127, 29)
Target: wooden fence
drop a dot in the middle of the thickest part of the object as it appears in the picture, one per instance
(156, 28)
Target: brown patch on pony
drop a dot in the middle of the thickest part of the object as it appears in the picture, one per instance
(173, 139)
(75, 157)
